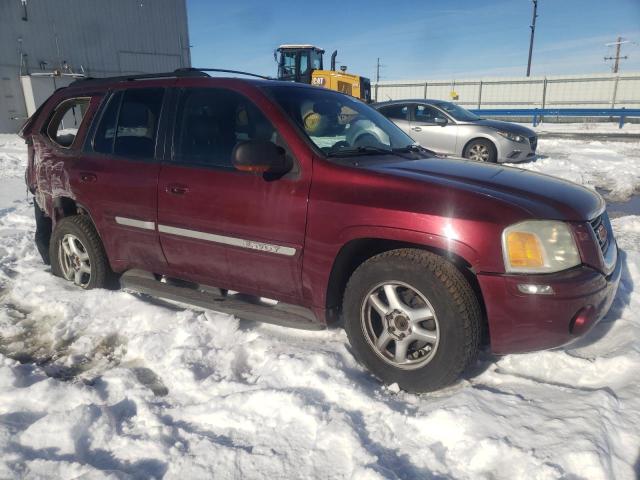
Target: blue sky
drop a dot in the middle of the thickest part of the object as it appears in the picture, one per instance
(433, 39)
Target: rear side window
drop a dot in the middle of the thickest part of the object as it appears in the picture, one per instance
(210, 122)
(396, 112)
(129, 124)
(65, 122)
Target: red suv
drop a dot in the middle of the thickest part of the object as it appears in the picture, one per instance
(300, 206)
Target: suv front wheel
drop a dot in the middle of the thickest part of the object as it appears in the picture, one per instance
(77, 253)
(412, 319)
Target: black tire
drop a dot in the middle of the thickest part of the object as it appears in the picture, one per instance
(480, 144)
(455, 305)
(43, 233)
(82, 228)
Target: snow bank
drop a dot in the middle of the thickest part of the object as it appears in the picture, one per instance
(613, 167)
(106, 384)
(593, 127)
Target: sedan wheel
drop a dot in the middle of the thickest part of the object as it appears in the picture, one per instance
(481, 151)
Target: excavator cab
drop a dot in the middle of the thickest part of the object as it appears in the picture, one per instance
(304, 64)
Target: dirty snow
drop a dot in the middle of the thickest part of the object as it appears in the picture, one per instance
(105, 384)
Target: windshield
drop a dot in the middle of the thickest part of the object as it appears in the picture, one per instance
(457, 112)
(339, 124)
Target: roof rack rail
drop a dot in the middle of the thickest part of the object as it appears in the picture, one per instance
(222, 70)
(181, 72)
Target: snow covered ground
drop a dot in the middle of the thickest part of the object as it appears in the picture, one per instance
(593, 127)
(105, 384)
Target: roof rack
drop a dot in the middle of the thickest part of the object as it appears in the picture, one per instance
(222, 70)
(181, 72)
(178, 73)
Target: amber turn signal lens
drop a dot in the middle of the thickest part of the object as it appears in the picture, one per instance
(524, 250)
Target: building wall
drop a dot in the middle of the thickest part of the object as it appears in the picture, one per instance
(97, 37)
(570, 91)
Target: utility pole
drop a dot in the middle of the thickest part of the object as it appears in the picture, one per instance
(617, 58)
(533, 32)
(377, 79)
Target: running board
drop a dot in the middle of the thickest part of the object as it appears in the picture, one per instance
(242, 306)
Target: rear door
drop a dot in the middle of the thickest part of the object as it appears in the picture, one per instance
(432, 135)
(218, 225)
(116, 177)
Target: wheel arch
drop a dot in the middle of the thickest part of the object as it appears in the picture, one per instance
(356, 251)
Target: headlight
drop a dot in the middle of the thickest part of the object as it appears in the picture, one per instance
(539, 246)
(513, 136)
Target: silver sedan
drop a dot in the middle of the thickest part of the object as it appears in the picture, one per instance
(448, 129)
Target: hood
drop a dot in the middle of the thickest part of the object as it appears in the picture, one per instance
(541, 196)
(505, 127)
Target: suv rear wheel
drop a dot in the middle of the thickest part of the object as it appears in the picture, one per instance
(77, 253)
(412, 319)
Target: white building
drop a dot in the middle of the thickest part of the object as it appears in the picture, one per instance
(45, 43)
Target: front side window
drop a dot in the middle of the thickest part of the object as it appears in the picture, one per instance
(66, 120)
(395, 112)
(129, 124)
(338, 124)
(211, 121)
(457, 112)
(427, 114)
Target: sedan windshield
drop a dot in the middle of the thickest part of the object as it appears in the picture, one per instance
(457, 112)
(338, 124)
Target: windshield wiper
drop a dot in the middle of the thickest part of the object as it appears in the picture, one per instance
(364, 150)
(414, 147)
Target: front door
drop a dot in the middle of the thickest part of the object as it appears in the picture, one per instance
(218, 225)
(428, 128)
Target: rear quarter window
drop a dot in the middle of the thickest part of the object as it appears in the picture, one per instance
(66, 120)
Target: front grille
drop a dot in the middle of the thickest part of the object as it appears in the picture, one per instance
(602, 229)
(533, 141)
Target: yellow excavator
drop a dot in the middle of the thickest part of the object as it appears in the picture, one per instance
(304, 64)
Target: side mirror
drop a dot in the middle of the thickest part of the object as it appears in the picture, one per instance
(260, 156)
(441, 121)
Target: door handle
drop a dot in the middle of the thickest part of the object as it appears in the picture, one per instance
(416, 129)
(88, 177)
(176, 189)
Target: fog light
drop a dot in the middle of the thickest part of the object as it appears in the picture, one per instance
(533, 289)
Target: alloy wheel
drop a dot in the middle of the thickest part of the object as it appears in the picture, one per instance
(74, 260)
(400, 325)
(479, 152)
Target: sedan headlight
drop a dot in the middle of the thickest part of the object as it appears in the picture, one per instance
(514, 137)
(539, 246)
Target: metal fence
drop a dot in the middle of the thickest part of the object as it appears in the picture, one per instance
(575, 91)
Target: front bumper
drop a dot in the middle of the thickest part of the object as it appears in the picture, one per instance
(520, 322)
(512, 152)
